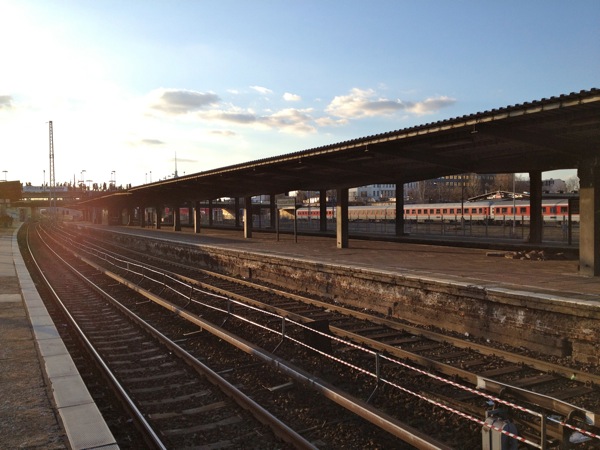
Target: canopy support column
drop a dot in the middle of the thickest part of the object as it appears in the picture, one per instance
(272, 211)
(247, 217)
(237, 212)
(535, 200)
(158, 213)
(130, 215)
(323, 210)
(342, 218)
(176, 218)
(197, 217)
(589, 217)
(399, 209)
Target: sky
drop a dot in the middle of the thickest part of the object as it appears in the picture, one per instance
(137, 89)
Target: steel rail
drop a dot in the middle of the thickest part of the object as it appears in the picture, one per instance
(261, 414)
(362, 409)
(149, 434)
(492, 386)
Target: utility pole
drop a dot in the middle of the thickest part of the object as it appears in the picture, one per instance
(52, 175)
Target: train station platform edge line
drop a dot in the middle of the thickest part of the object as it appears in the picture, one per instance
(83, 423)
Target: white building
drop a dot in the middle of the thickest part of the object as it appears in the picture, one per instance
(553, 186)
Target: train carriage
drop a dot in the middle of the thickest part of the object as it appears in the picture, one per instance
(448, 212)
(490, 211)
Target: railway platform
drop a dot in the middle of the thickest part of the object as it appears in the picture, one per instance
(44, 403)
(543, 305)
(477, 262)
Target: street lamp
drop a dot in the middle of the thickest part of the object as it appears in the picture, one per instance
(113, 177)
(5, 171)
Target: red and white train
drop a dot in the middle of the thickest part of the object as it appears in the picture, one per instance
(555, 210)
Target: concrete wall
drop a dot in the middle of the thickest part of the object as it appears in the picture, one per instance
(551, 325)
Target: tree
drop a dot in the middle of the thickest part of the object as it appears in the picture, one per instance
(573, 184)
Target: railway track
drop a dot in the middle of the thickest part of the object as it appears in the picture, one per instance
(524, 385)
(324, 423)
(177, 401)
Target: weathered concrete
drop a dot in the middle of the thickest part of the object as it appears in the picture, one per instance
(550, 322)
(589, 238)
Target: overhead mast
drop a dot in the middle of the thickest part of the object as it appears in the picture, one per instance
(52, 175)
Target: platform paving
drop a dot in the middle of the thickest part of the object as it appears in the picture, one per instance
(474, 266)
(44, 403)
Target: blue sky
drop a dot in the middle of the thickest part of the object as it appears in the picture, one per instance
(129, 84)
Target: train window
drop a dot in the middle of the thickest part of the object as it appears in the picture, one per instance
(418, 211)
(437, 211)
(563, 210)
(523, 210)
(503, 210)
(445, 211)
(458, 211)
(451, 210)
(553, 210)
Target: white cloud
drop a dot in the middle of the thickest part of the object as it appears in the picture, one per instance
(6, 102)
(330, 122)
(287, 120)
(181, 101)
(291, 97)
(291, 120)
(431, 105)
(233, 116)
(361, 103)
(262, 90)
(152, 142)
(225, 133)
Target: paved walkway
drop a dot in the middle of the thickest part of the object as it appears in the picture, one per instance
(43, 401)
(466, 265)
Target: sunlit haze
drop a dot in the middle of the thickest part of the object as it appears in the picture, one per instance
(130, 85)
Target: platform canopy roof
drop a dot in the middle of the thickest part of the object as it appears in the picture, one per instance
(554, 133)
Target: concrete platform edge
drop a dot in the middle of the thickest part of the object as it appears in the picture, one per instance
(84, 425)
